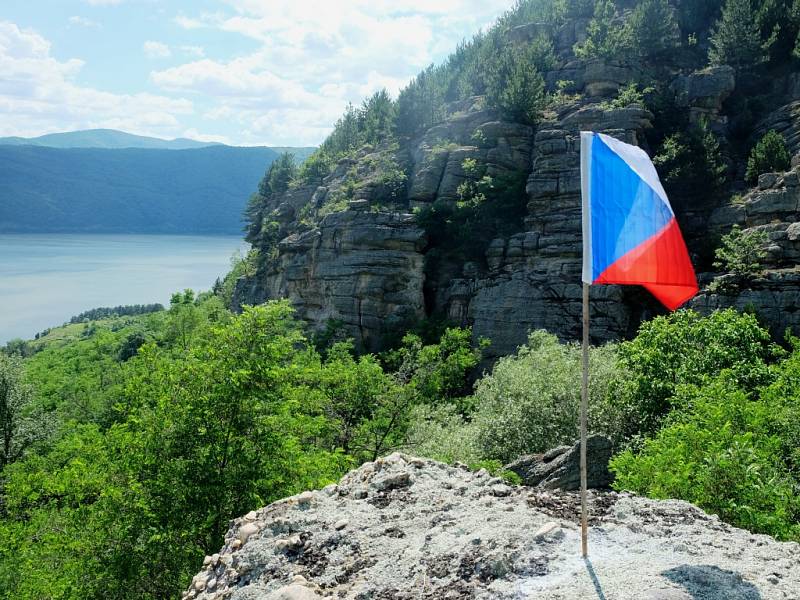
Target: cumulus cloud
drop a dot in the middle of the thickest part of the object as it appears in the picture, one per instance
(156, 49)
(82, 22)
(39, 94)
(315, 57)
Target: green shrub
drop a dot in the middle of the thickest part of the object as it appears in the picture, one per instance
(721, 451)
(627, 96)
(770, 155)
(686, 348)
(691, 162)
(742, 252)
(604, 39)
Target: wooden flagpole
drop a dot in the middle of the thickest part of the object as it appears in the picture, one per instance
(584, 418)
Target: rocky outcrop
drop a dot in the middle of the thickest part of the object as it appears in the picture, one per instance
(359, 270)
(532, 280)
(559, 468)
(408, 528)
(352, 250)
(774, 208)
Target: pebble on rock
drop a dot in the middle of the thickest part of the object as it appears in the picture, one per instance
(246, 530)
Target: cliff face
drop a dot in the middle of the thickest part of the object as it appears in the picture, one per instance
(408, 528)
(371, 266)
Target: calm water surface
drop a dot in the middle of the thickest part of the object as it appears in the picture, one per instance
(46, 279)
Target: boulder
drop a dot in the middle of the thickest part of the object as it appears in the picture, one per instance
(707, 88)
(559, 468)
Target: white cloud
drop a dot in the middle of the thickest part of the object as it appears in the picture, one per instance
(104, 2)
(39, 94)
(156, 49)
(193, 134)
(82, 22)
(315, 57)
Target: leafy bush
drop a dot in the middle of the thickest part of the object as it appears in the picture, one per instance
(721, 451)
(627, 96)
(531, 401)
(604, 37)
(742, 252)
(21, 425)
(685, 348)
(691, 162)
(770, 155)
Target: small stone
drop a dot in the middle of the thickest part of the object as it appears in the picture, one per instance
(226, 559)
(299, 580)
(200, 584)
(305, 498)
(246, 530)
(500, 490)
(251, 516)
(236, 544)
(206, 561)
(392, 481)
(293, 542)
(545, 530)
(212, 583)
(330, 489)
(293, 592)
(339, 525)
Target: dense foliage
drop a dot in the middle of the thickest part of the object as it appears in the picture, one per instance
(117, 311)
(163, 427)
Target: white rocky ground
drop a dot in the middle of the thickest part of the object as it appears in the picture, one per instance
(405, 528)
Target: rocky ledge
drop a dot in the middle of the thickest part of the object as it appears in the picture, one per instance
(405, 528)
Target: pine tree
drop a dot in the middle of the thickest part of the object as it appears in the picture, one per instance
(651, 30)
(736, 40)
(604, 39)
(770, 155)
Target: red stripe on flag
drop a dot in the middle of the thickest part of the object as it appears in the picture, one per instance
(661, 264)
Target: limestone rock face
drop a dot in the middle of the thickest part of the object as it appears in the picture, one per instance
(404, 527)
(361, 269)
(560, 468)
(773, 207)
(352, 253)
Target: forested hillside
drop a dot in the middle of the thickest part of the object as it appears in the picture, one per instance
(90, 190)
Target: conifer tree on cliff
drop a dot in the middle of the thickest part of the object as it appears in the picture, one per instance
(736, 40)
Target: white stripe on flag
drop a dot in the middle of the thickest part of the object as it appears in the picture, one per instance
(586, 194)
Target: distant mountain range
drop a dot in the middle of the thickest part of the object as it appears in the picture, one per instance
(103, 138)
(107, 181)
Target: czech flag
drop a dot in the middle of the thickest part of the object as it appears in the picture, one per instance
(630, 235)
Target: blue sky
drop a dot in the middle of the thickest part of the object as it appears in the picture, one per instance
(272, 72)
